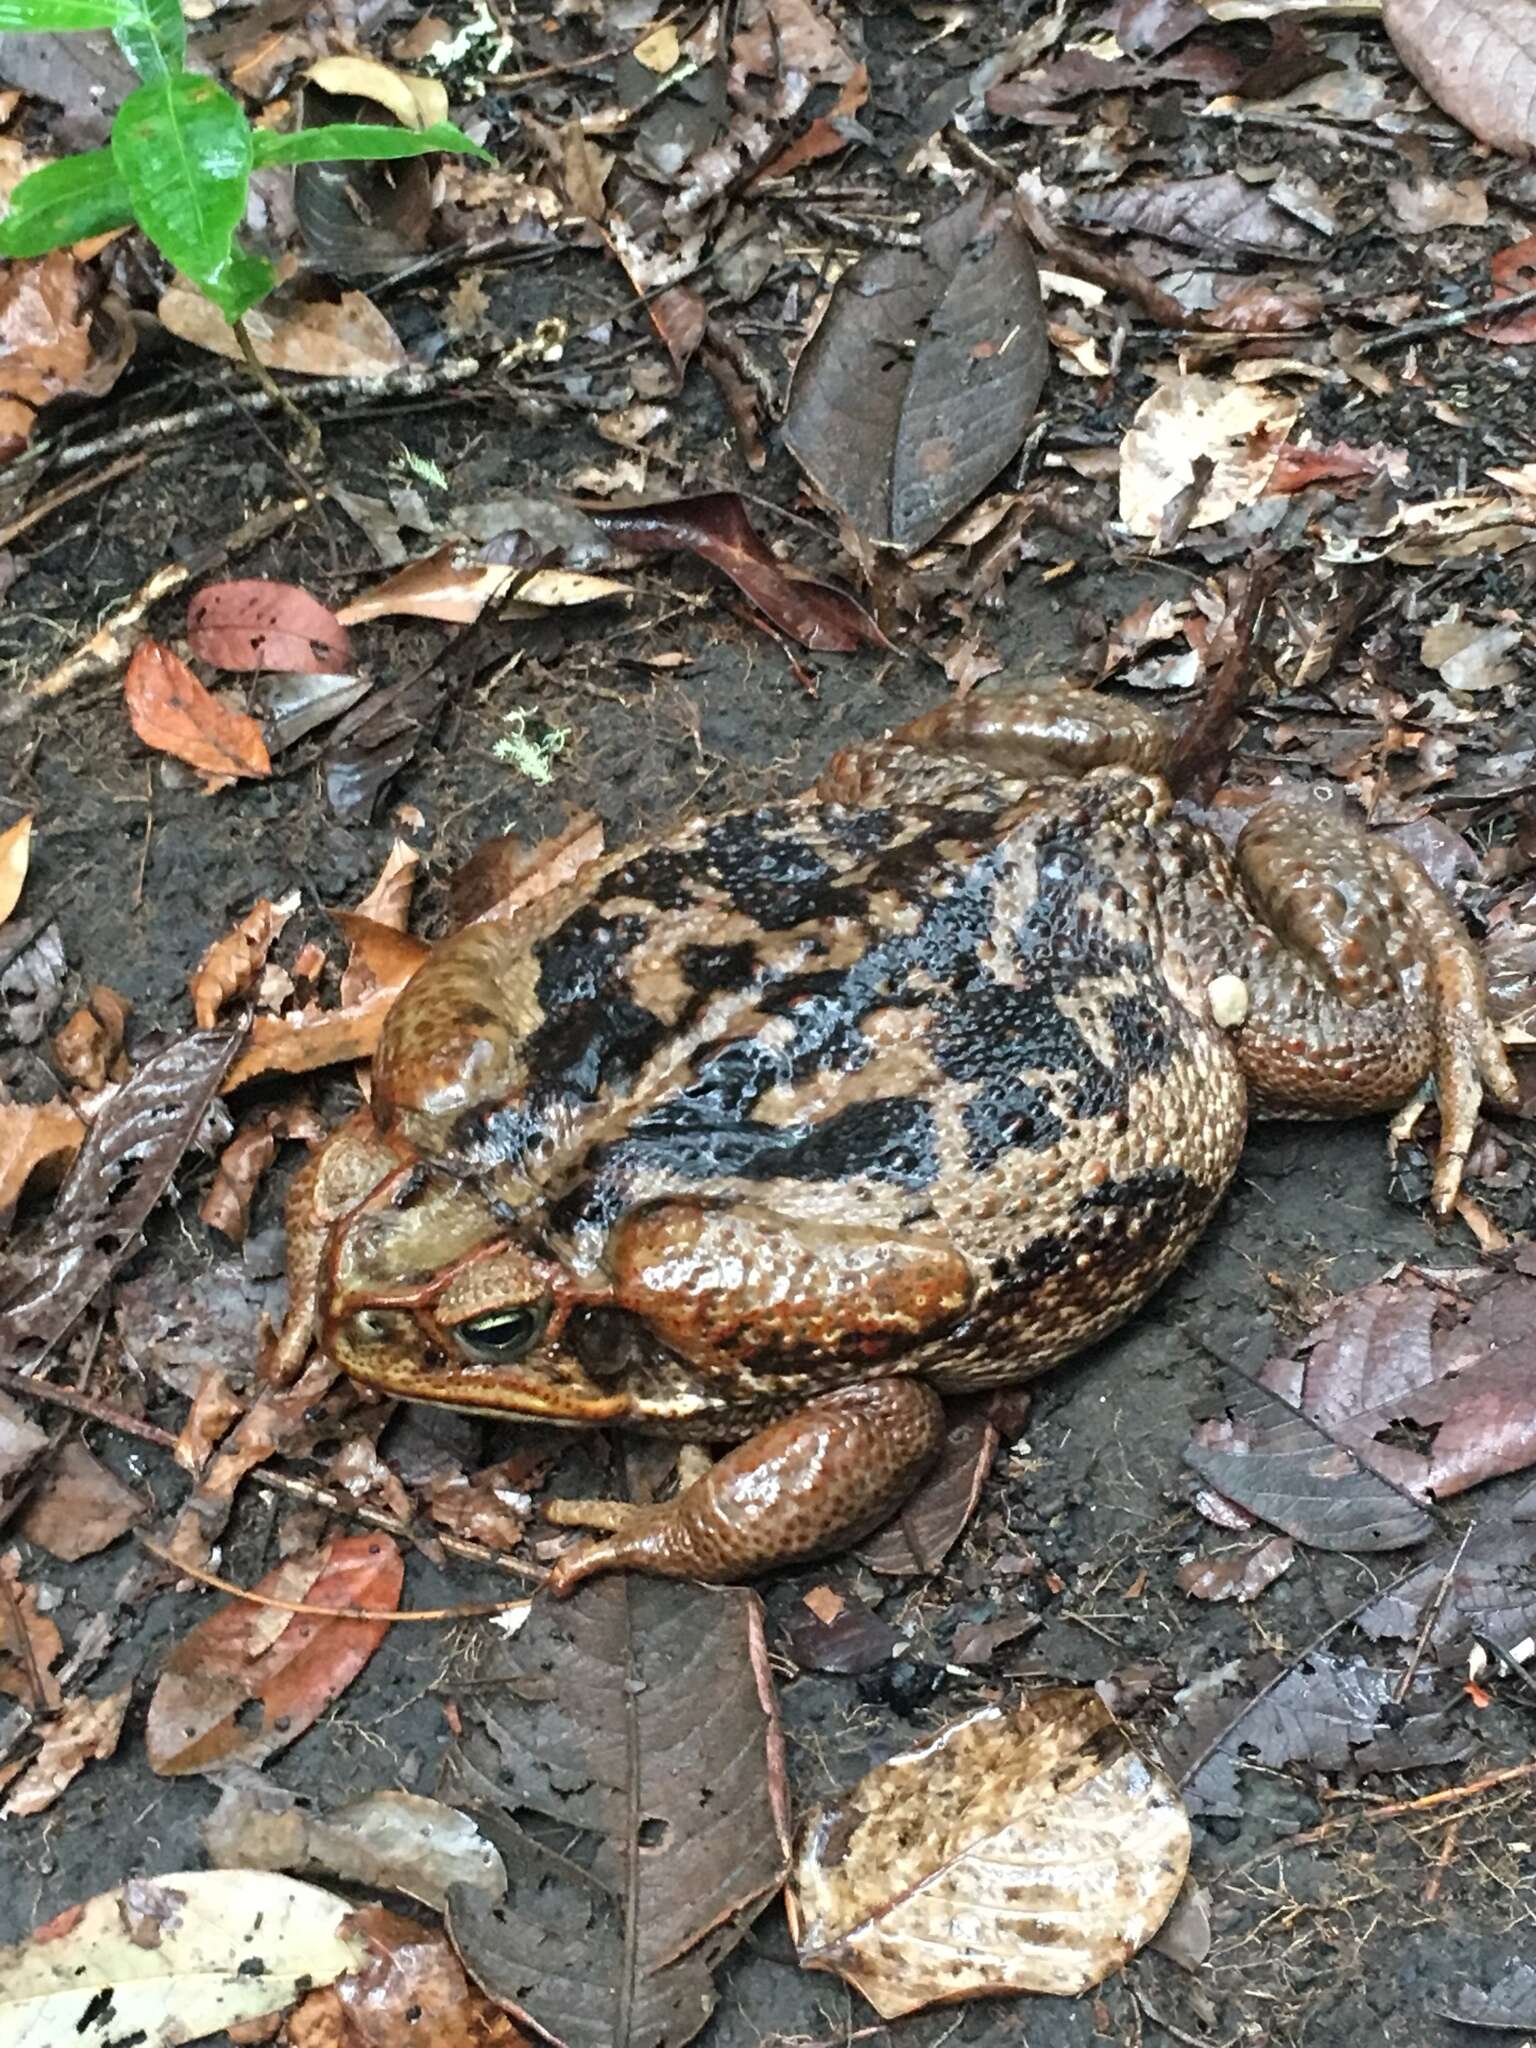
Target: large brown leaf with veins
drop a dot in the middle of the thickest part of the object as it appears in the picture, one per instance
(1475, 58)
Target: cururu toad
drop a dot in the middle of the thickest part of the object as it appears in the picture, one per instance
(785, 1123)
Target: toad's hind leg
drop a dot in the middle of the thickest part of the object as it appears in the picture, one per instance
(1362, 984)
(815, 1482)
(1022, 735)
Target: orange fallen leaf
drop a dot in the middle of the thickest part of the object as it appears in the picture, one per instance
(15, 851)
(88, 1050)
(504, 877)
(299, 1043)
(389, 900)
(231, 964)
(246, 1654)
(381, 957)
(172, 712)
(449, 585)
(86, 1730)
(34, 1137)
(57, 336)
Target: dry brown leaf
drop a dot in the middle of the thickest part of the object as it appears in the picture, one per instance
(501, 877)
(23, 1667)
(381, 957)
(172, 712)
(304, 1040)
(1030, 1850)
(15, 851)
(88, 1050)
(84, 1731)
(34, 1136)
(1477, 60)
(52, 336)
(350, 339)
(414, 102)
(80, 1506)
(1241, 1574)
(227, 1205)
(450, 585)
(231, 965)
(584, 171)
(389, 900)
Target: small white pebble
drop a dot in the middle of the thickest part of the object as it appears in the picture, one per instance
(1228, 998)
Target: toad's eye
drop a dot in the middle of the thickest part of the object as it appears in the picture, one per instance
(503, 1333)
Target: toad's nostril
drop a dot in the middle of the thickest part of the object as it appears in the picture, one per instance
(368, 1325)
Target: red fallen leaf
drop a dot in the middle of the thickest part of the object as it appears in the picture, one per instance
(715, 527)
(173, 713)
(1514, 271)
(1337, 463)
(292, 1668)
(823, 137)
(256, 624)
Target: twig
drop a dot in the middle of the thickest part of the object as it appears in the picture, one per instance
(1394, 1809)
(110, 643)
(65, 494)
(1431, 1616)
(375, 1518)
(86, 1405)
(1431, 1890)
(309, 433)
(1150, 2012)
(175, 426)
(26, 1653)
(1447, 323)
(471, 1611)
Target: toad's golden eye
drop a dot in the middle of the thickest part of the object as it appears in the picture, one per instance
(503, 1333)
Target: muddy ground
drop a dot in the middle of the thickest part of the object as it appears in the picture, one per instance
(1360, 1937)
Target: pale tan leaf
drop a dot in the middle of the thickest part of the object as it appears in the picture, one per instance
(450, 586)
(1240, 429)
(1031, 1850)
(34, 1136)
(414, 102)
(350, 339)
(15, 852)
(175, 1958)
(1477, 60)
(658, 51)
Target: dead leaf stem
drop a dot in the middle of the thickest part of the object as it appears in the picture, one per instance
(473, 1610)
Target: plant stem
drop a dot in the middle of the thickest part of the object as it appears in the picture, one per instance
(309, 445)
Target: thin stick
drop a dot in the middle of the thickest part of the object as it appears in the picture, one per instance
(86, 1405)
(65, 494)
(1431, 1616)
(1447, 323)
(375, 1518)
(1449, 1795)
(110, 644)
(471, 1611)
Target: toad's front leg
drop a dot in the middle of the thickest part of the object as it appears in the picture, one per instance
(814, 1482)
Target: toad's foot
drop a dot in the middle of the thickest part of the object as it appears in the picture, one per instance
(817, 1481)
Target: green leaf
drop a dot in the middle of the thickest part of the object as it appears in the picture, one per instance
(362, 142)
(35, 14)
(152, 35)
(238, 283)
(183, 149)
(65, 202)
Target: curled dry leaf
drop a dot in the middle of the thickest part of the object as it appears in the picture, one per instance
(1477, 60)
(389, 900)
(173, 713)
(231, 965)
(411, 1989)
(84, 1731)
(919, 1537)
(293, 1666)
(174, 1958)
(1241, 1574)
(254, 624)
(503, 875)
(227, 1205)
(349, 339)
(715, 527)
(15, 852)
(54, 340)
(1030, 1850)
(902, 439)
(386, 1841)
(1237, 429)
(88, 1050)
(450, 585)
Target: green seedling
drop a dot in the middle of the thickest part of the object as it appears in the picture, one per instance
(181, 157)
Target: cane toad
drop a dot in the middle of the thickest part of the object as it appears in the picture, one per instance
(787, 1122)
